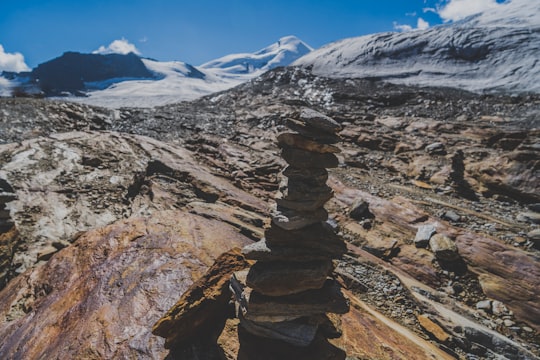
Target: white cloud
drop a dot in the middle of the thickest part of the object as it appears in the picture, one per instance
(455, 10)
(421, 24)
(12, 61)
(402, 28)
(121, 46)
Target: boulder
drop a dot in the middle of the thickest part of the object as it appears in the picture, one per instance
(202, 310)
(443, 247)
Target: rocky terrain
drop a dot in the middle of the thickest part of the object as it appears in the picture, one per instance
(117, 212)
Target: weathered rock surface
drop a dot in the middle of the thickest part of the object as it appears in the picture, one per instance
(386, 129)
(117, 281)
(72, 182)
(201, 312)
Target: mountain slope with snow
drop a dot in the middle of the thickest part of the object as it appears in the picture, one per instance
(178, 81)
(282, 53)
(496, 51)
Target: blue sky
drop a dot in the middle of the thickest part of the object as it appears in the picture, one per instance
(197, 31)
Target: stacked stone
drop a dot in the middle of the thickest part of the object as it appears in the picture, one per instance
(6, 195)
(289, 291)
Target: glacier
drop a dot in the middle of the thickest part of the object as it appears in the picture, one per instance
(490, 52)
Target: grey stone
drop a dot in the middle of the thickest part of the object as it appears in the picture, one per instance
(443, 247)
(288, 219)
(304, 205)
(498, 308)
(304, 143)
(328, 299)
(298, 332)
(484, 305)
(312, 133)
(307, 159)
(436, 148)
(286, 278)
(319, 236)
(423, 234)
(451, 216)
(319, 121)
(534, 236)
(530, 217)
(310, 177)
(261, 251)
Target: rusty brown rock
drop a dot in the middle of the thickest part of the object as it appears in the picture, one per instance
(433, 329)
(99, 297)
(202, 310)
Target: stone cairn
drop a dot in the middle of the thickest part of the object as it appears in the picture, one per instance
(289, 293)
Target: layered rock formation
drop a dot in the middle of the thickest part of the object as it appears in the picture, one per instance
(288, 292)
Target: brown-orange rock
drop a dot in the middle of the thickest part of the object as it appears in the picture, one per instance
(98, 298)
(201, 312)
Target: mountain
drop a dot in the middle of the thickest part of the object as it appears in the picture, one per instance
(116, 80)
(282, 53)
(495, 51)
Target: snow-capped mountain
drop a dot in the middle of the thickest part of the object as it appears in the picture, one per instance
(116, 80)
(495, 51)
(282, 53)
(178, 81)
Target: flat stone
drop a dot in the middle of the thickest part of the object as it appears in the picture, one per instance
(5, 214)
(534, 236)
(484, 305)
(260, 250)
(298, 186)
(288, 219)
(443, 247)
(298, 332)
(310, 177)
(319, 121)
(312, 133)
(301, 142)
(423, 234)
(319, 236)
(307, 205)
(436, 148)
(451, 216)
(286, 278)
(295, 194)
(7, 197)
(433, 329)
(46, 253)
(307, 159)
(328, 299)
(530, 217)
